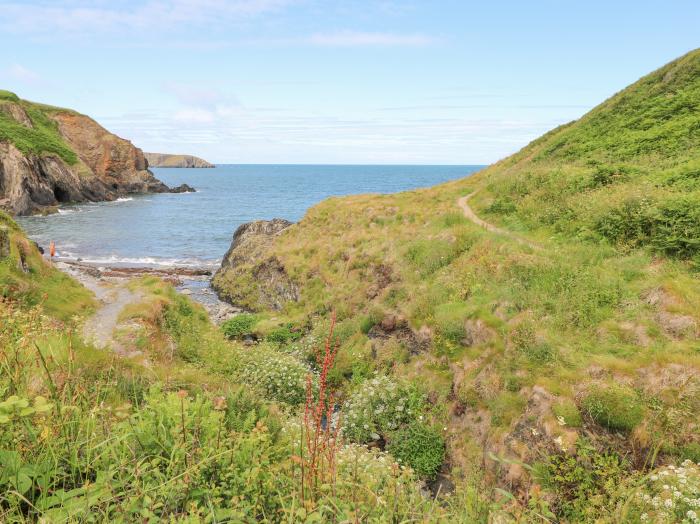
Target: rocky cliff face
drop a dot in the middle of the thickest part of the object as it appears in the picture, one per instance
(165, 160)
(33, 177)
(249, 277)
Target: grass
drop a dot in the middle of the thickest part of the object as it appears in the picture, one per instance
(42, 138)
(553, 362)
(613, 201)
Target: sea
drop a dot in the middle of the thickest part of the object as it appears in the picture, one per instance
(194, 230)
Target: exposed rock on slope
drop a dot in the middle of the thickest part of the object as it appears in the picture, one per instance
(50, 156)
(166, 160)
(247, 276)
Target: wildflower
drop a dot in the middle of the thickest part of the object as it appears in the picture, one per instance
(561, 420)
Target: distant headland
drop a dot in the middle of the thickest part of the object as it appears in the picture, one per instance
(166, 160)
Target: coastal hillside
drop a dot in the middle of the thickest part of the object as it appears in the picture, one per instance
(547, 307)
(167, 160)
(135, 407)
(51, 155)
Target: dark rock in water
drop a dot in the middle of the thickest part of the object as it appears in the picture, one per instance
(183, 188)
(248, 261)
(38, 247)
(4, 242)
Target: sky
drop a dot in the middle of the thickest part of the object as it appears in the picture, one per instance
(338, 82)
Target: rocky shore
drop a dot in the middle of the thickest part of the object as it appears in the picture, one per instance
(194, 282)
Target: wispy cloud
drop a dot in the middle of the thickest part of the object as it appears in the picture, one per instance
(67, 16)
(251, 134)
(363, 39)
(22, 74)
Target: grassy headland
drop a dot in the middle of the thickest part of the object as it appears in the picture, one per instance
(40, 136)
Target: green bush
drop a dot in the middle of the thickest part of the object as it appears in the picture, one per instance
(278, 376)
(377, 407)
(584, 485)
(670, 226)
(606, 175)
(421, 447)
(283, 335)
(239, 325)
(502, 205)
(615, 407)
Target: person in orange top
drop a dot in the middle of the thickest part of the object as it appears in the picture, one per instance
(52, 249)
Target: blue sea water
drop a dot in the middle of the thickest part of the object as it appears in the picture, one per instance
(195, 229)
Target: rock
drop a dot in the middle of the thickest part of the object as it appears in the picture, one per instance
(165, 160)
(38, 247)
(476, 332)
(677, 325)
(4, 242)
(183, 188)
(248, 261)
(107, 166)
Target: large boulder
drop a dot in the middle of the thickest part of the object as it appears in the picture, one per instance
(250, 276)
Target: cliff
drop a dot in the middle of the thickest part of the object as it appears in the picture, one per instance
(166, 160)
(50, 155)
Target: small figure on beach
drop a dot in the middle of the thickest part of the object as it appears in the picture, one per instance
(52, 249)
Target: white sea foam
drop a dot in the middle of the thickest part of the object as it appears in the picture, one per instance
(123, 199)
(114, 260)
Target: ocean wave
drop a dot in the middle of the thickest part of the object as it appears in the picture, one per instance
(114, 260)
(67, 211)
(123, 199)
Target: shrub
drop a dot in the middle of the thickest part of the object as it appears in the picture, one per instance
(283, 335)
(377, 407)
(585, 484)
(239, 325)
(606, 175)
(502, 205)
(421, 447)
(671, 226)
(615, 407)
(449, 320)
(277, 375)
(668, 494)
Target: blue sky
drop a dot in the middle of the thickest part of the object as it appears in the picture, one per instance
(310, 81)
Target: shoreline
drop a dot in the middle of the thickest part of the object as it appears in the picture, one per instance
(192, 282)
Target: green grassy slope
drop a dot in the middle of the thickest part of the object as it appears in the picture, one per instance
(42, 138)
(603, 319)
(192, 428)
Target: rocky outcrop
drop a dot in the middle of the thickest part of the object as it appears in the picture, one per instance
(165, 160)
(249, 277)
(105, 167)
(183, 188)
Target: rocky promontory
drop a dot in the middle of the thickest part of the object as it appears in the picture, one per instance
(249, 276)
(166, 160)
(50, 156)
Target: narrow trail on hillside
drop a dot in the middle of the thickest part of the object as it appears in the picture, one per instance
(469, 213)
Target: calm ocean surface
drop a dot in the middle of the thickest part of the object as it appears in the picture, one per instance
(195, 229)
